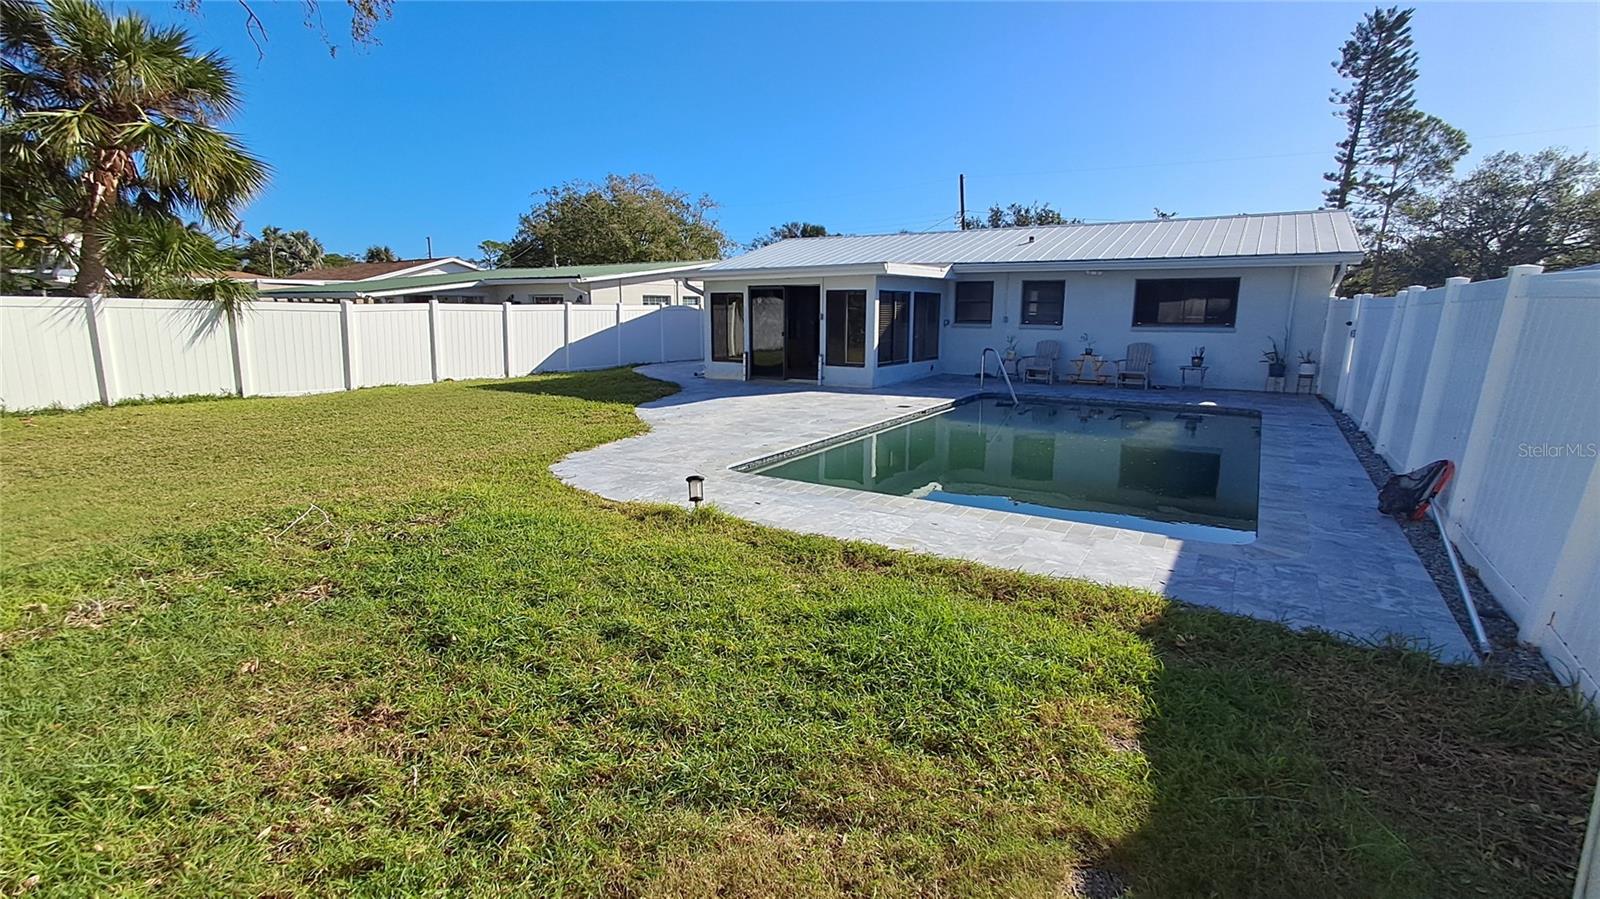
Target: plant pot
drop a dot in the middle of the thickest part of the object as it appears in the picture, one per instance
(1011, 355)
(1196, 361)
(1308, 368)
(1277, 369)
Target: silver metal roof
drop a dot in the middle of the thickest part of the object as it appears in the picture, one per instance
(1321, 232)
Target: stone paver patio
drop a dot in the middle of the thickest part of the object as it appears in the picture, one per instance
(1323, 556)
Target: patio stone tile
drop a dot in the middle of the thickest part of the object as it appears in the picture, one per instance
(1323, 557)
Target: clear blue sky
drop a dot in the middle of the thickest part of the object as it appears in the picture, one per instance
(857, 117)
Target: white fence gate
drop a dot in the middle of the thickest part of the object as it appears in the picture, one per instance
(1501, 377)
(68, 351)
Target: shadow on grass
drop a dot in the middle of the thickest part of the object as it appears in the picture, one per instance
(611, 385)
(1289, 763)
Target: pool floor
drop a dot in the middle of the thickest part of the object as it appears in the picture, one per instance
(1158, 469)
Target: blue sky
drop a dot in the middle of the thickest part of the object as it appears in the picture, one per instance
(858, 117)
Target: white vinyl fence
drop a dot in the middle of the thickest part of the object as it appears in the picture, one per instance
(68, 351)
(1501, 377)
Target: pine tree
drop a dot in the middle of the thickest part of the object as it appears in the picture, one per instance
(1381, 66)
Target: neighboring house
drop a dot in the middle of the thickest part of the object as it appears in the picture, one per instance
(372, 271)
(872, 310)
(641, 283)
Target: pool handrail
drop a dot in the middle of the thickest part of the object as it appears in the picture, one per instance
(983, 357)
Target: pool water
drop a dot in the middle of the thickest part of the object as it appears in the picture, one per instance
(1175, 471)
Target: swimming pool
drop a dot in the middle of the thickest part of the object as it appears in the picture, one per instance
(1179, 471)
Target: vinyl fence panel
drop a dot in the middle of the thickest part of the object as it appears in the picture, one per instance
(592, 341)
(471, 341)
(538, 338)
(67, 351)
(169, 348)
(391, 344)
(1500, 377)
(45, 354)
(293, 348)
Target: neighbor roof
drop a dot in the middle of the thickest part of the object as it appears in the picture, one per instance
(461, 280)
(360, 271)
(1325, 232)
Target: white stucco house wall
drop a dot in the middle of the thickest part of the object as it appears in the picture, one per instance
(643, 283)
(879, 309)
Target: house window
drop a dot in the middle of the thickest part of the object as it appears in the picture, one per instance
(974, 302)
(846, 315)
(894, 326)
(727, 327)
(1042, 302)
(656, 299)
(1185, 302)
(925, 340)
(545, 300)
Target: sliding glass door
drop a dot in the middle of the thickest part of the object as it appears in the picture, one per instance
(766, 332)
(785, 333)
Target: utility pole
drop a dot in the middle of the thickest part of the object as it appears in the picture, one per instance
(962, 187)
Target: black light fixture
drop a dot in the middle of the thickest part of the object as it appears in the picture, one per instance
(697, 489)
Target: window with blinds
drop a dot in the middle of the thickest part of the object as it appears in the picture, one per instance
(925, 330)
(1204, 302)
(846, 315)
(894, 327)
(974, 302)
(1042, 302)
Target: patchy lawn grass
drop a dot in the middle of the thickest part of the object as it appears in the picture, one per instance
(453, 674)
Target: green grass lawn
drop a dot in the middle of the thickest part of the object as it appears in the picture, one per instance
(365, 643)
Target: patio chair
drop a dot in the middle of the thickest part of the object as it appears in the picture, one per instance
(1041, 366)
(1137, 365)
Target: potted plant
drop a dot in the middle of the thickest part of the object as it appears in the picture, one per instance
(1088, 343)
(1277, 367)
(1198, 359)
(1308, 363)
(1011, 348)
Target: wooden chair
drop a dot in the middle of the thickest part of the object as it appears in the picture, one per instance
(1136, 367)
(1042, 363)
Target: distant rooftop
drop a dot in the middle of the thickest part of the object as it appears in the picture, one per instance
(1323, 232)
(358, 271)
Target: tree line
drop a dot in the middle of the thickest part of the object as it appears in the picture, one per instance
(1394, 170)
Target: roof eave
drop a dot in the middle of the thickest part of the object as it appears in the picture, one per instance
(894, 269)
(1079, 265)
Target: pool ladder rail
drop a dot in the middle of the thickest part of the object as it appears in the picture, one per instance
(983, 358)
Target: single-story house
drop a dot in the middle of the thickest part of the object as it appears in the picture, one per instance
(873, 310)
(638, 283)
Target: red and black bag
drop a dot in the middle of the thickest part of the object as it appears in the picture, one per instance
(1407, 496)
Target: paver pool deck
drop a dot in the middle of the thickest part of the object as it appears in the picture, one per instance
(1323, 556)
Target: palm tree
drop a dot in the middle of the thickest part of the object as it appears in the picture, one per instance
(305, 251)
(278, 251)
(123, 115)
(378, 253)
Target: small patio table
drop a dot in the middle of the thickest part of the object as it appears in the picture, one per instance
(1185, 370)
(1088, 370)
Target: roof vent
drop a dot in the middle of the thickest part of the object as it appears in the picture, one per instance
(1030, 238)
